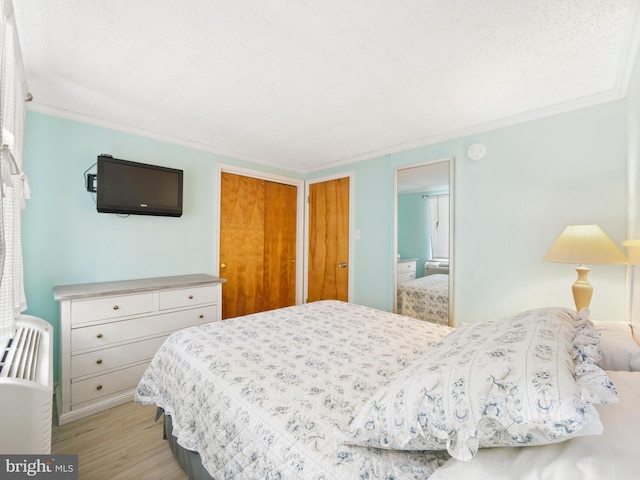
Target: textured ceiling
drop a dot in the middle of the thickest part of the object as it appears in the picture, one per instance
(434, 176)
(304, 85)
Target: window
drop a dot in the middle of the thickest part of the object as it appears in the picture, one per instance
(13, 186)
(439, 226)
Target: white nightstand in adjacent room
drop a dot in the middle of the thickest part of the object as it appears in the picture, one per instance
(406, 269)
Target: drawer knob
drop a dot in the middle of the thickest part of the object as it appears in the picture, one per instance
(99, 335)
(99, 361)
(190, 297)
(201, 316)
(116, 307)
(99, 387)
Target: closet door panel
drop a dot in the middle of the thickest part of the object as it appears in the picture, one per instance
(242, 221)
(280, 245)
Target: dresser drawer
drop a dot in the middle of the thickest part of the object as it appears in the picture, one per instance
(104, 385)
(405, 277)
(185, 297)
(115, 357)
(97, 336)
(103, 308)
(406, 267)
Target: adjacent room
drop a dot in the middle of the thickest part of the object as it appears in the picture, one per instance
(327, 240)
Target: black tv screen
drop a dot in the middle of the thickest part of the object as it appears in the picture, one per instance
(138, 188)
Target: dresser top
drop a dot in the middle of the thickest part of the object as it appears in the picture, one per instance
(86, 290)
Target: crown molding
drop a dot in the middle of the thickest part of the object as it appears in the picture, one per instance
(142, 132)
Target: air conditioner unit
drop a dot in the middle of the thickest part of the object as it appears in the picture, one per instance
(432, 267)
(26, 388)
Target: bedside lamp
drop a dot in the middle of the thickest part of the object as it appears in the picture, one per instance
(584, 244)
(633, 249)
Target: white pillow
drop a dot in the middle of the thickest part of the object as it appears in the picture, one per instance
(529, 379)
(619, 350)
(612, 455)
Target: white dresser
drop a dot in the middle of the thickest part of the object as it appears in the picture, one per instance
(110, 331)
(406, 269)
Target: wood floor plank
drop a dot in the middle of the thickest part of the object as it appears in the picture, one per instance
(121, 443)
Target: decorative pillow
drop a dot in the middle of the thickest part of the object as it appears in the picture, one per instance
(618, 347)
(528, 379)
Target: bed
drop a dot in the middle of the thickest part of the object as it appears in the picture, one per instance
(264, 396)
(280, 394)
(425, 298)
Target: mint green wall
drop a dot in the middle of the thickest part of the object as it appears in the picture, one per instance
(413, 229)
(536, 178)
(372, 212)
(65, 240)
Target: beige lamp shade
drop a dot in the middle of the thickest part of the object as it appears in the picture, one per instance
(633, 249)
(585, 244)
(582, 244)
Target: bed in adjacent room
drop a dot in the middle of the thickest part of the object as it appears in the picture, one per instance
(425, 298)
(331, 390)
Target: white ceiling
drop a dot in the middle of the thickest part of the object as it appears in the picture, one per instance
(434, 176)
(304, 85)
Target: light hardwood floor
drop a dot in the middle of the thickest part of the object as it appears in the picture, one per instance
(122, 443)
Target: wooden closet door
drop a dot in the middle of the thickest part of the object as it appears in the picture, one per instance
(328, 272)
(258, 224)
(242, 220)
(280, 245)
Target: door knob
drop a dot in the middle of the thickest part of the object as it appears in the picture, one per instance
(342, 265)
(223, 265)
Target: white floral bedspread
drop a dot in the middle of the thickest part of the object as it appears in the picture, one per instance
(263, 396)
(425, 298)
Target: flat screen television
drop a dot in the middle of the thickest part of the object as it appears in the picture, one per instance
(138, 188)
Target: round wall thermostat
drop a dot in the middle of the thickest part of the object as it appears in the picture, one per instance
(476, 151)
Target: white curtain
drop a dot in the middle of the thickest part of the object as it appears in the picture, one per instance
(439, 226)
(13, 182)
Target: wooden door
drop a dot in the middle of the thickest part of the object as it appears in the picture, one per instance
(257, 244)
(328, 270)
(241, 244)
(280, 245)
